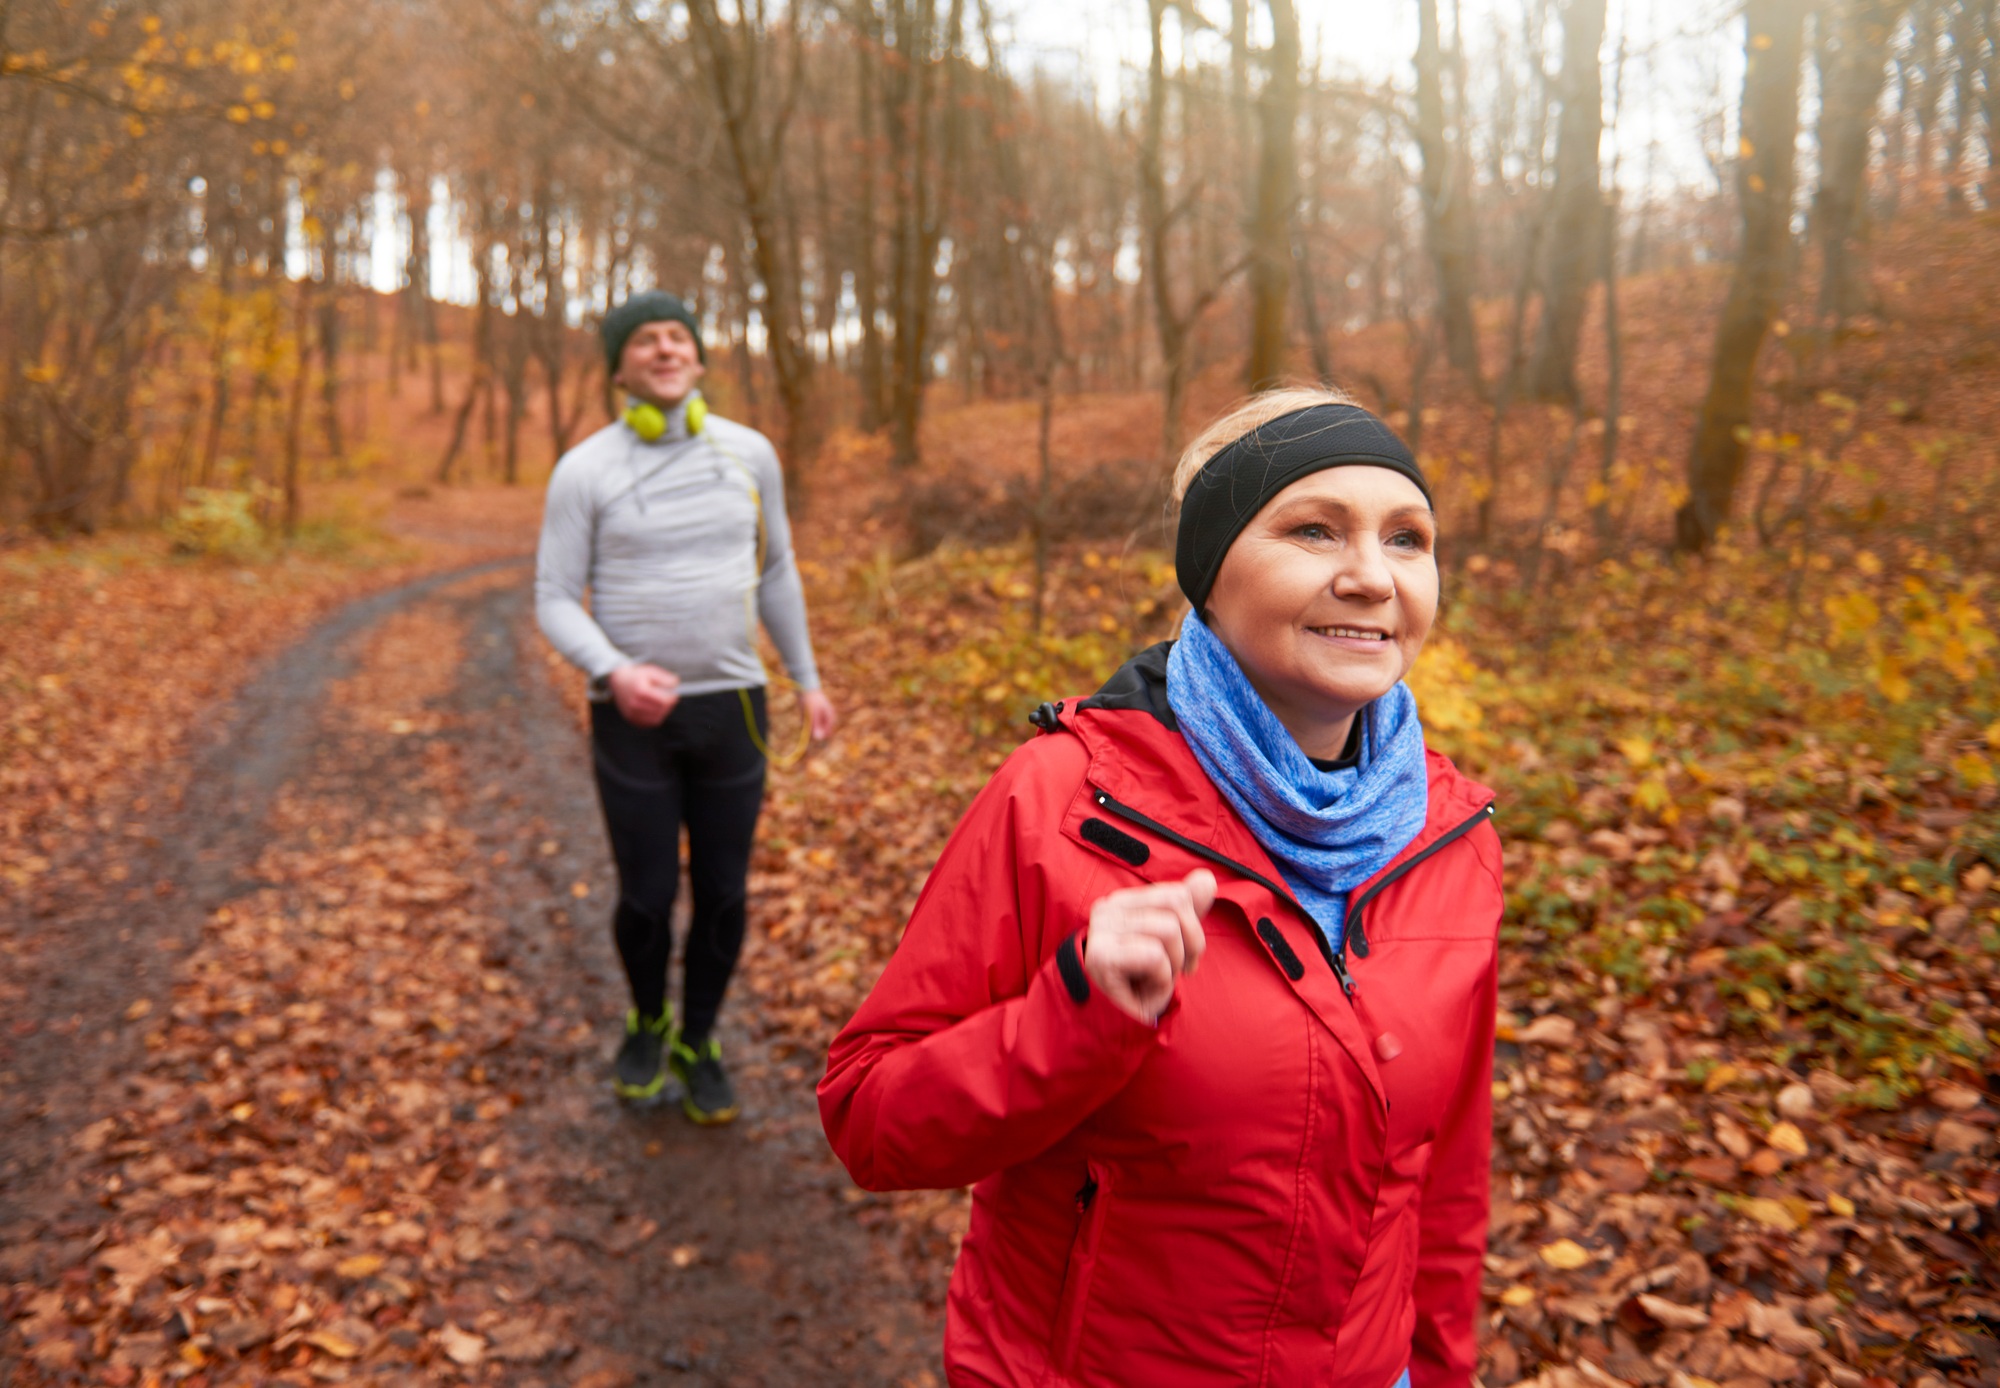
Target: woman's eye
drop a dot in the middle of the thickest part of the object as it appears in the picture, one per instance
(1408, 539)
(1315, 532)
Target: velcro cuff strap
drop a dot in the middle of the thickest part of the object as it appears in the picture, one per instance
(1069, 963)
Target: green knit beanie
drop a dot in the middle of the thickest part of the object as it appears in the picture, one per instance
(651, 306)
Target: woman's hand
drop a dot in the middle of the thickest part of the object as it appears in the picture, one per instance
(1143, 938)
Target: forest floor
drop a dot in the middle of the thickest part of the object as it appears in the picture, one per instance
(304, 1077)
(309, 993)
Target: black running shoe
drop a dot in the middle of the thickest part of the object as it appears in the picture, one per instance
(639, 1073)
(708, 1097)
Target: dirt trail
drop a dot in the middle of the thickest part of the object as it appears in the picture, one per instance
(321, 1096)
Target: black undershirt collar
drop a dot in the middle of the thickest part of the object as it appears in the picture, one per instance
(1350, 755)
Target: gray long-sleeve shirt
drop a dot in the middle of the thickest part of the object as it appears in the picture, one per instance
(664, 537)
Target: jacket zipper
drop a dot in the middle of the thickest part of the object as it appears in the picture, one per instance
(1202, 850)
(1354, 931)
(1335, 958)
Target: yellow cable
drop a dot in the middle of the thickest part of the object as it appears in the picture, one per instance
(798, 753)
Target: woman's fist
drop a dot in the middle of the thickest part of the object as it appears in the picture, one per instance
(1144, 938)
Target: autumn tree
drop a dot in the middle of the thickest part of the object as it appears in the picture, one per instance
(1853, 66)
(1272, 216)
(1774, 33)
(1442, 187)
(1572, 255)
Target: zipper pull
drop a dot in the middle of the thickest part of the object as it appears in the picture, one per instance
(1340, 972)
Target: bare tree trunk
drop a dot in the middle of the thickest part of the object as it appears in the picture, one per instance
(1316, 339)
(867, 284)
(1926, 24)
(1277, 179)
(218, 373)
(1614, 389)
(1970, 20)
(480, 386)
(755, 122)
(1174, 325)
(1852, 73)
(1044, 487)
(1573, 249)
(1153, 210)
(1447, 221)
(329, 355)
(295, 406)
(917, 222)
(1775, 37)
(1990, 84)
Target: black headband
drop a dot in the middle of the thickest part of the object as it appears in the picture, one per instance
(1237, 482)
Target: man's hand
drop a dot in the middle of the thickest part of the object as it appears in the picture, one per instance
(820, 716)
(645, 694)
(1144, 938)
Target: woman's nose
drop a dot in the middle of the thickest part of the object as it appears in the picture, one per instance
(1364, 574)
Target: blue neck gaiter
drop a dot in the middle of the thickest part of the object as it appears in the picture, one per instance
(1327, 831)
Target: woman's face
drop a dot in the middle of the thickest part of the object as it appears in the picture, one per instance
(1327, 595)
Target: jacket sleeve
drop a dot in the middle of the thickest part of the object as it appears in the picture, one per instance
(1457, 1202)
(973, 1053)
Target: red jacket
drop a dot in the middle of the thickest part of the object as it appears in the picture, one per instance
(1279, 1184)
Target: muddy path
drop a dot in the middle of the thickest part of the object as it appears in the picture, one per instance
(310, 1084)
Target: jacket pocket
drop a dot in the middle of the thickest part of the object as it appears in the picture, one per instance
(1093, 1203)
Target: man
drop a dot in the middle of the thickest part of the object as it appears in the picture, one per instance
(674, 520)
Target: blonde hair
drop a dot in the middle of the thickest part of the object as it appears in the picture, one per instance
(1246, 415)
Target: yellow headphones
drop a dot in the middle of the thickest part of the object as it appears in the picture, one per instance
(649, 421)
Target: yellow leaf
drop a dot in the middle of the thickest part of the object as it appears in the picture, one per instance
(334, 1343)
(1637, 750)
(1840, 1205)
(1769, 1213)
(1759, 999)
(1720, 1077)
(1519, 1295)
(1786, 1137)
(359, 1266)
(1565, 1255)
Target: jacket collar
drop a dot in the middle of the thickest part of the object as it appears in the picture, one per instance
(1138, 756)
(1139, 759)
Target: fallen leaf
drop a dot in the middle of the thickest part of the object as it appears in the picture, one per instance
(1953, 1136)
(1786, 1137)
(343, 1339)
(1552, 1030)
(1795, 1101)
(359, 1266)
(1565, 1255)
(461, 1347)
(1769, 1213)
(1671, 1314)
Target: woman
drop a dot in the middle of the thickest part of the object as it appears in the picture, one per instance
(1200, 996)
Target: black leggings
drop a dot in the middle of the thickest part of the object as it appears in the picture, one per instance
(701, 768)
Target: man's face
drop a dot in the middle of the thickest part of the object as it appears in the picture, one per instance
(660, 364)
